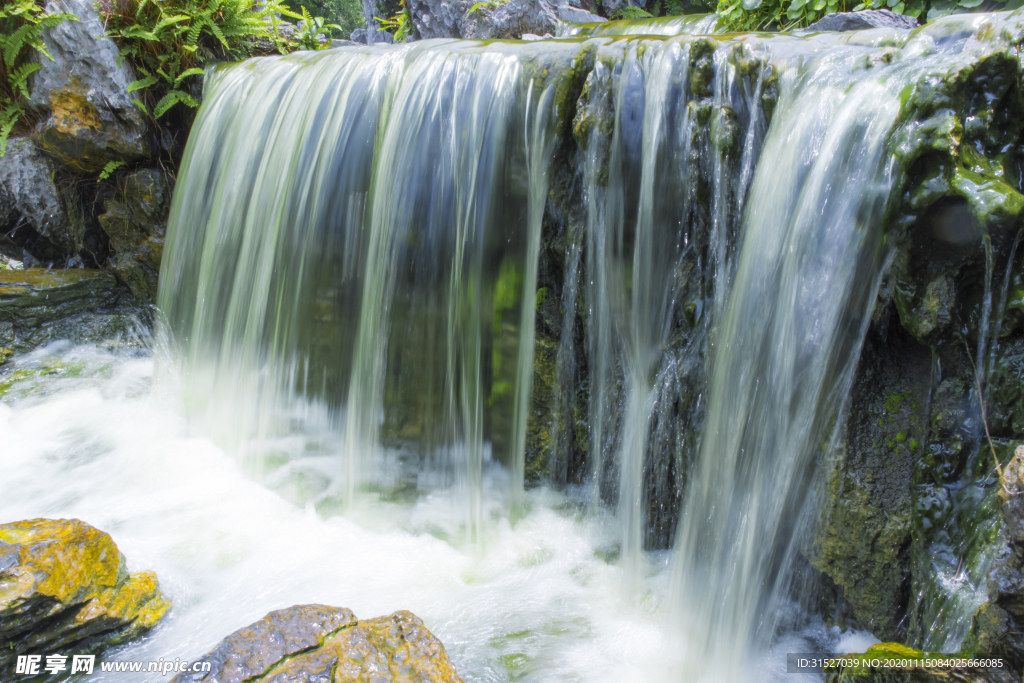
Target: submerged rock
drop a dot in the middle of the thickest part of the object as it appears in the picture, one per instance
(92, 120)
(80, 304)
(136, 221)
(65, 588)
(326, 644)
(865, 19)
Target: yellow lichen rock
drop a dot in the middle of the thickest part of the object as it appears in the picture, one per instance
(320, 643)
(64, 587)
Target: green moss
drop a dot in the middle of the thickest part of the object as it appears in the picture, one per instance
(542, 296)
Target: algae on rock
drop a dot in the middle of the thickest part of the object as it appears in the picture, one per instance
(65, 587)
(327, 644)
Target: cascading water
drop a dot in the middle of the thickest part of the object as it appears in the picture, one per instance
(408, 214)
(356, 299)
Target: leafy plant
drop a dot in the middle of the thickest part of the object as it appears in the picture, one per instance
(630, 12)
(400, 24)
(22, 23)
(347, 15)
(485, 4)
(313, 33)
(168, 41)
(110, 168)
(790, 14)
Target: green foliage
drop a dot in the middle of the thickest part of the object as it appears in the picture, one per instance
(22, 23)
(400, 24)
(791, 14)
(485, 4)
(346, 15)
(630, 12)
(110, 168)
(168, 41)
(313, 34)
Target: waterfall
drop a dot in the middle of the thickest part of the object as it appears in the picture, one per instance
(364, 267)
(784, 358)
(359, 239)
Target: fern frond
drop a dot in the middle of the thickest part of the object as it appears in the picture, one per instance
(110, 168)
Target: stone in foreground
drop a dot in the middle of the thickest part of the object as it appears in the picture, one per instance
(328, 645)
(865, 19)
(65, 588)
(39, 305)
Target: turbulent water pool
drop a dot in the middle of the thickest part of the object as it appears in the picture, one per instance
(91, 434)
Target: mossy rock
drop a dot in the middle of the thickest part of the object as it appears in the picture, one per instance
(907, 665)
(65, 587)
(41, 305)
(327, 644)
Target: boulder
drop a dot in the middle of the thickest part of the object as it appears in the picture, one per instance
(359, 36)
(31, 212)
(509, 20)
(38, 306)
(65, 588)
(865, 19)
(135, 220)
(91, 118)
(328, 645)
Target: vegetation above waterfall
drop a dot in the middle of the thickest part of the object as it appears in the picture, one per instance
(741, 15)
(168, 42)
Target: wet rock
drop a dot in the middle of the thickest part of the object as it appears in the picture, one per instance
(509, 20)
(135, 220)
(92, 119)
(30, 206)
(360, 35)
(329, 645)
(865, 19)
(859, 668)
(64, 587)
(863, 545)
(38, 306)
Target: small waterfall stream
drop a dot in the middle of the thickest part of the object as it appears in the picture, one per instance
(362, 241)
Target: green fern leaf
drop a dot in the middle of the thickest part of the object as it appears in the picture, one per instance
(143, 83)
(110, 168)
(186, 74)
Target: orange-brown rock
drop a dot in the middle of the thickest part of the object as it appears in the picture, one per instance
(65, 587)
(328, 644)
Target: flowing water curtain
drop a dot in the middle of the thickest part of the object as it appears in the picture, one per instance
(672, 129)
(809, 268)
(251, 307)
(440, 160)
(365, 268)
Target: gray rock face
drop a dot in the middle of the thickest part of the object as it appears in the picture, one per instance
(858, 21)
(29, 203)
(38, 306)
(359, 36)
(136, 221)
(92, 119)
(510, 20)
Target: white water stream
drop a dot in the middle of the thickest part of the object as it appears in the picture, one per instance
(98, 439)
